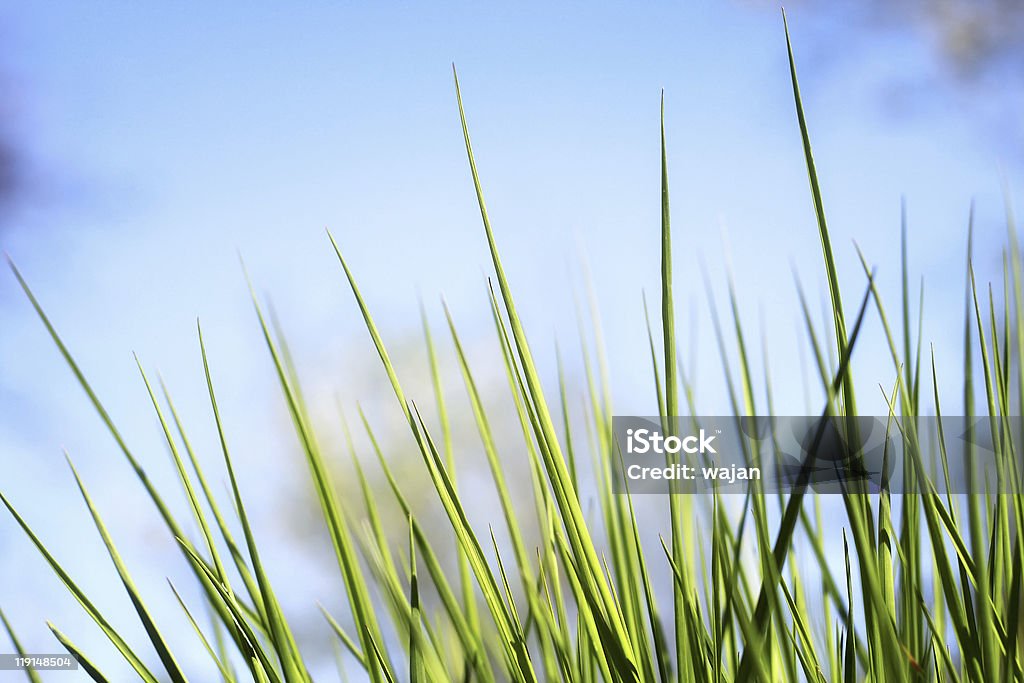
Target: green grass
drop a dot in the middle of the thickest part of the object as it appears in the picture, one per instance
(939, 585)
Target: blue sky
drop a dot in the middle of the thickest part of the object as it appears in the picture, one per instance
(166, 139)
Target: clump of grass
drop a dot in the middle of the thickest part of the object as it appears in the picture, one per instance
(940, 587)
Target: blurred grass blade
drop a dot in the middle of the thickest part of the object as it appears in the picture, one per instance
(30, 672)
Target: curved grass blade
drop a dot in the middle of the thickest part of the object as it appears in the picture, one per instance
(591, 575)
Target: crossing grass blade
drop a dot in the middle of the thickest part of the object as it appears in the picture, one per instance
(290, 659)
(465, 574)
(170, 664)
(355, 583)
(470, 638)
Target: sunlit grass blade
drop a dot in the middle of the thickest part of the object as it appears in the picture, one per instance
(259, 660)
(565, 496)
(86, 665)
(237, 556)
(510, 510)
(352, 574)
(170, 663)
(471, 640)
(285, 647)
(819, 209)
(465, 574)
(505, 499)
(512, 638)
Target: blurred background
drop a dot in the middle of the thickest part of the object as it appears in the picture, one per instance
(143, 147)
